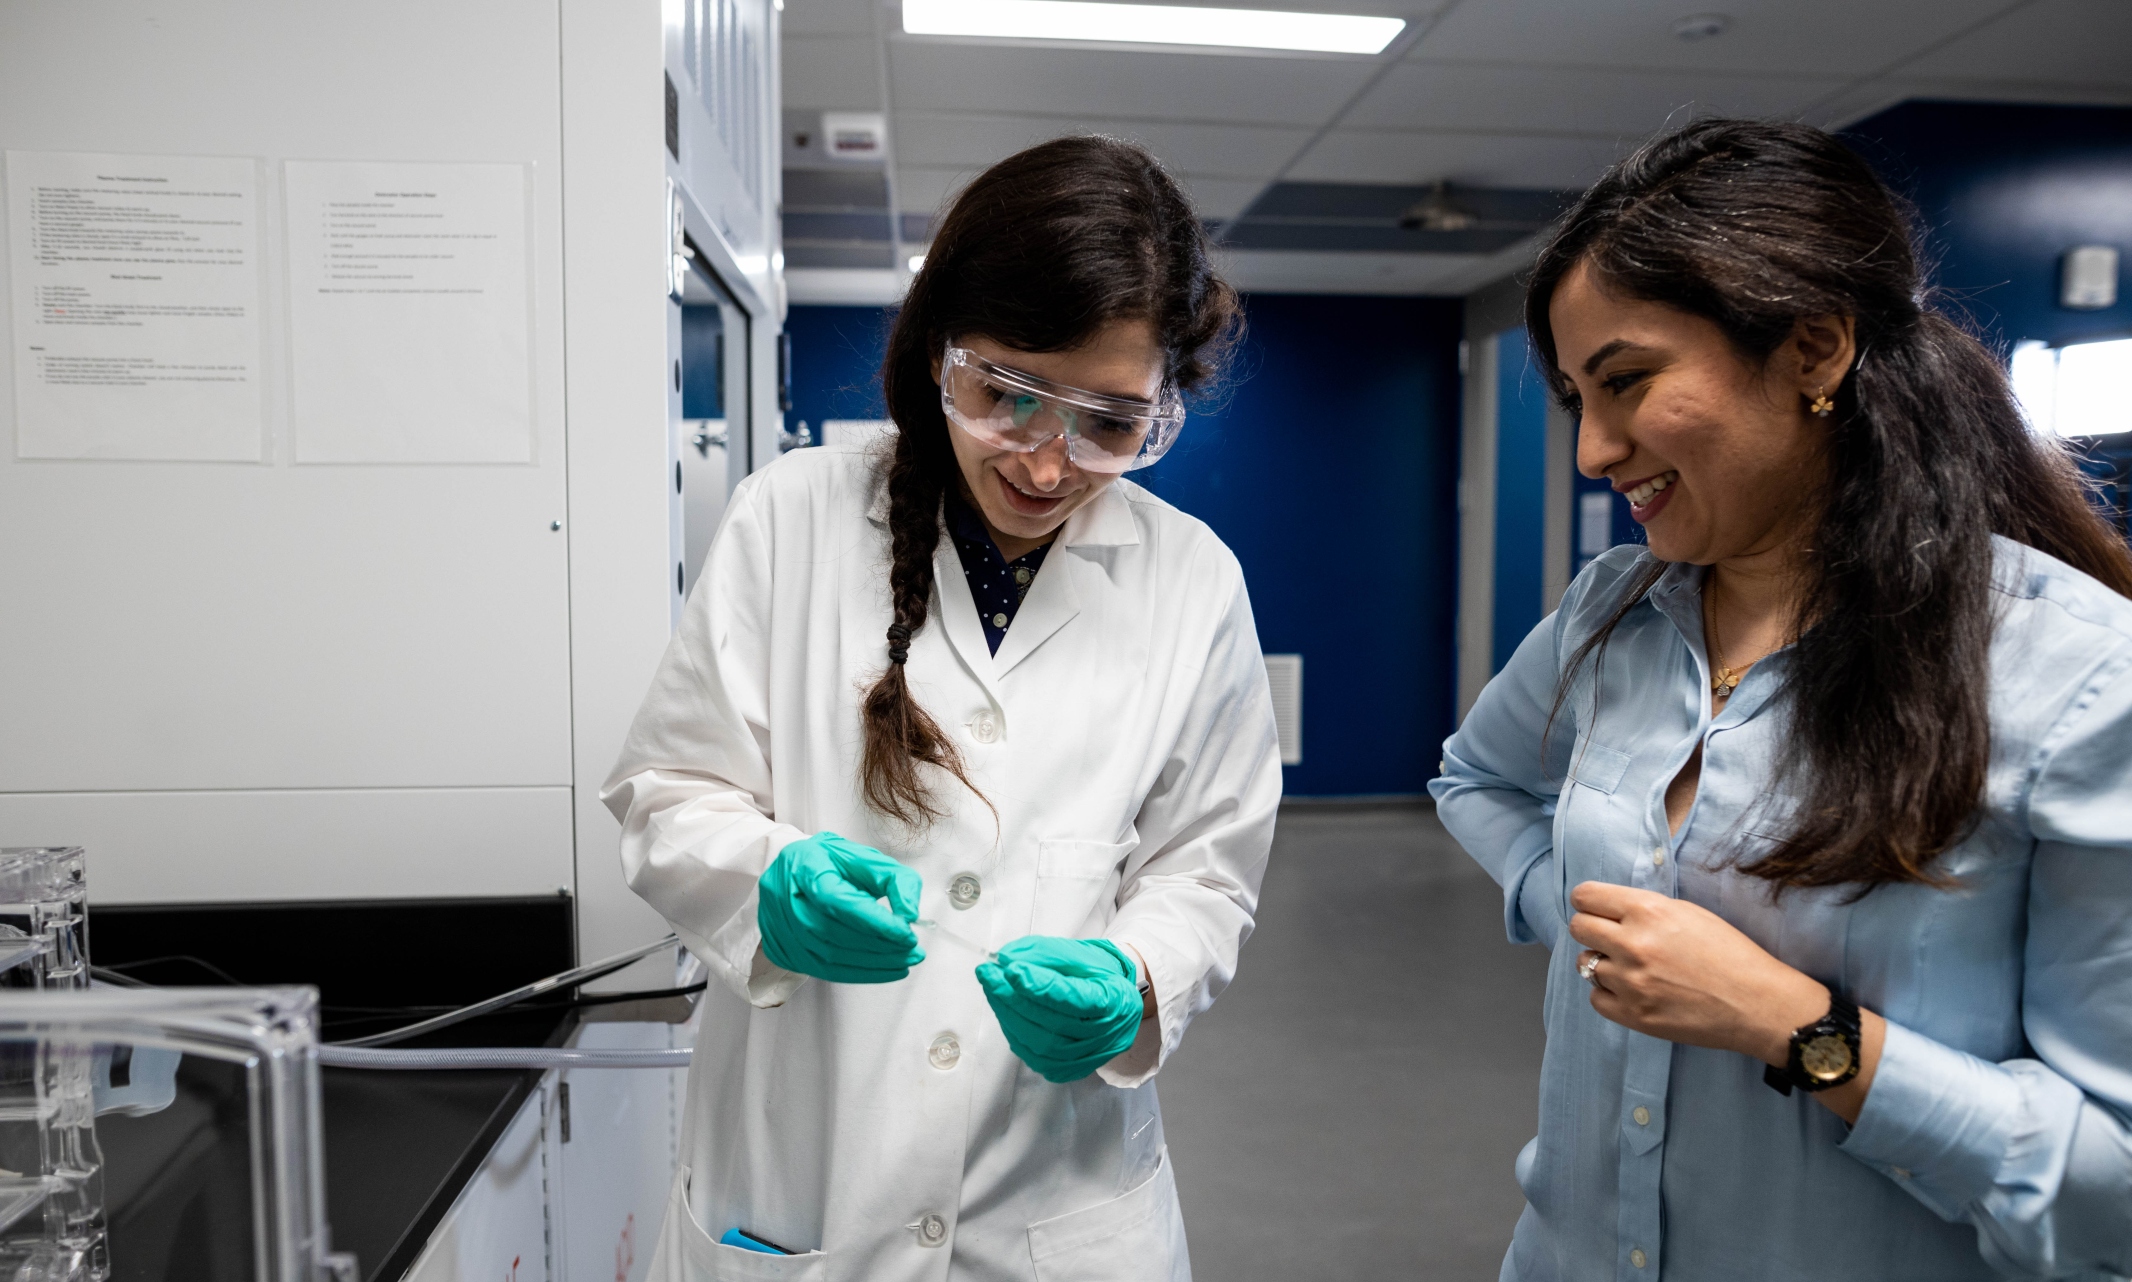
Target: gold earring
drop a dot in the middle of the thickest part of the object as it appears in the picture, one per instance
(1822, 406)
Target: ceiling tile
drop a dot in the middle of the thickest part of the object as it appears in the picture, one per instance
(933, 75)
(1492, 160)
(1874, 96)
(1446, 95)
(1795, 37)
(926, 188)
(828, 17)
(833, 73)
(947, 139)
(2056, 40)
(1222, 198)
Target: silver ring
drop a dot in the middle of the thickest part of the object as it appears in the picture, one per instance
(1588, 968)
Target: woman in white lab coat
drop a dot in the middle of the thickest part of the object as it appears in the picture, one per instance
(842, 748)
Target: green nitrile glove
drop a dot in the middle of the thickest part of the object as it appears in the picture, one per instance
(1068, 1006)
(819, 912)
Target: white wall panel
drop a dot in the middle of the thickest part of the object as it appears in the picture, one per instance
(359, 843)
(246, 629)
(615, 204)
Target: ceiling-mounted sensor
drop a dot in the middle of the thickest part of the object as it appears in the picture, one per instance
(1701, 26)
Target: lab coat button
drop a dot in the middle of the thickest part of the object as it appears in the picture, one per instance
(1638, 1258)
(932, 1231)
(1642, 1115)
(945, 1052)
(986, 730)
(964, 890)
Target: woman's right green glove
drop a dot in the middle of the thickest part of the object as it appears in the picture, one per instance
(818, 907)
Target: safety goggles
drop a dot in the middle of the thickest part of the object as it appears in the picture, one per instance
(1010, 410)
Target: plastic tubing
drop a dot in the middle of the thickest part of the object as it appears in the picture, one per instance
(499, 1057)
(582, 974)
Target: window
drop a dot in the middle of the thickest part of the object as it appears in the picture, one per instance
(2076, 390)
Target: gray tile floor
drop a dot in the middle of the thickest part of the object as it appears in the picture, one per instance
(1351, 1107)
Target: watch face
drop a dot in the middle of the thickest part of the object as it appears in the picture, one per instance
(1825, 1058)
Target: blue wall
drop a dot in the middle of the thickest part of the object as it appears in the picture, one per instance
(1330, 465)
(1520, 494)
(2004, 191)
(836, 364)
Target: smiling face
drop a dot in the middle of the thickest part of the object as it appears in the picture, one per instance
(1025, 498)
(1718, 453)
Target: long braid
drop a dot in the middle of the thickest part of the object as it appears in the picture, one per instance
(900, 734)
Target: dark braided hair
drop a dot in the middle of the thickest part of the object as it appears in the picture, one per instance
(1755, 226)
(1038, 253)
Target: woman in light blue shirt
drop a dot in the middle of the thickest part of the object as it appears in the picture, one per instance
(1823, 800)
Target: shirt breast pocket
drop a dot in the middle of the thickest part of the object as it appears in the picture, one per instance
(1597, 766)
(1077, 886)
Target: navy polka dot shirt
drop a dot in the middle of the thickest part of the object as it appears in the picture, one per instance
(997, 583)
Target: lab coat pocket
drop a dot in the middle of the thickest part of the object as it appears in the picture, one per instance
(1076, 886)
(687, 1253)
(1135, 1237)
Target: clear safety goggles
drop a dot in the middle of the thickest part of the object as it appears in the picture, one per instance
(1010, 410)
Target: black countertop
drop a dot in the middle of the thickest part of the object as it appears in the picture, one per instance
(399, 1146)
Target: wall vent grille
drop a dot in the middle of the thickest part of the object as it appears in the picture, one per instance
(1284, 673)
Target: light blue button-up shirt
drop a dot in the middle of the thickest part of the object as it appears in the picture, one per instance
(1995, 1140)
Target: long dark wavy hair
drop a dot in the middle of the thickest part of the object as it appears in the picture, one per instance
(1038, 253)
(1755, 226)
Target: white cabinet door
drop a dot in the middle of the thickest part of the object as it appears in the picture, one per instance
(498, 1229)
(619, 1160)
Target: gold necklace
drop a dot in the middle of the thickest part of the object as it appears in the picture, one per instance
(1723, 680)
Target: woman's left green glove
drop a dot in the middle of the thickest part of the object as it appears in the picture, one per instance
(1067, 1006)
(818, 907)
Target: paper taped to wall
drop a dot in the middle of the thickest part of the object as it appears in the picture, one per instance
(408, 315)
(135, 293)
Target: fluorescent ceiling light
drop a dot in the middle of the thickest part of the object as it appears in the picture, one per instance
(1150, 24)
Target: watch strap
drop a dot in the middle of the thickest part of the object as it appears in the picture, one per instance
(1842, 1022)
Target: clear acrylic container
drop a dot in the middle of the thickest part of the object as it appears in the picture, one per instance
(44, 921)
(165, 1133)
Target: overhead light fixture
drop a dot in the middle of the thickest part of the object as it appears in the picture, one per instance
(1160, 24)
(1701, 26)
(1437, 211)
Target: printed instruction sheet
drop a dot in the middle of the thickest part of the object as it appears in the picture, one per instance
(408, 322)
(135, 295)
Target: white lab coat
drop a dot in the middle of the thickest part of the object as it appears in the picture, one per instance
(1125, 733)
